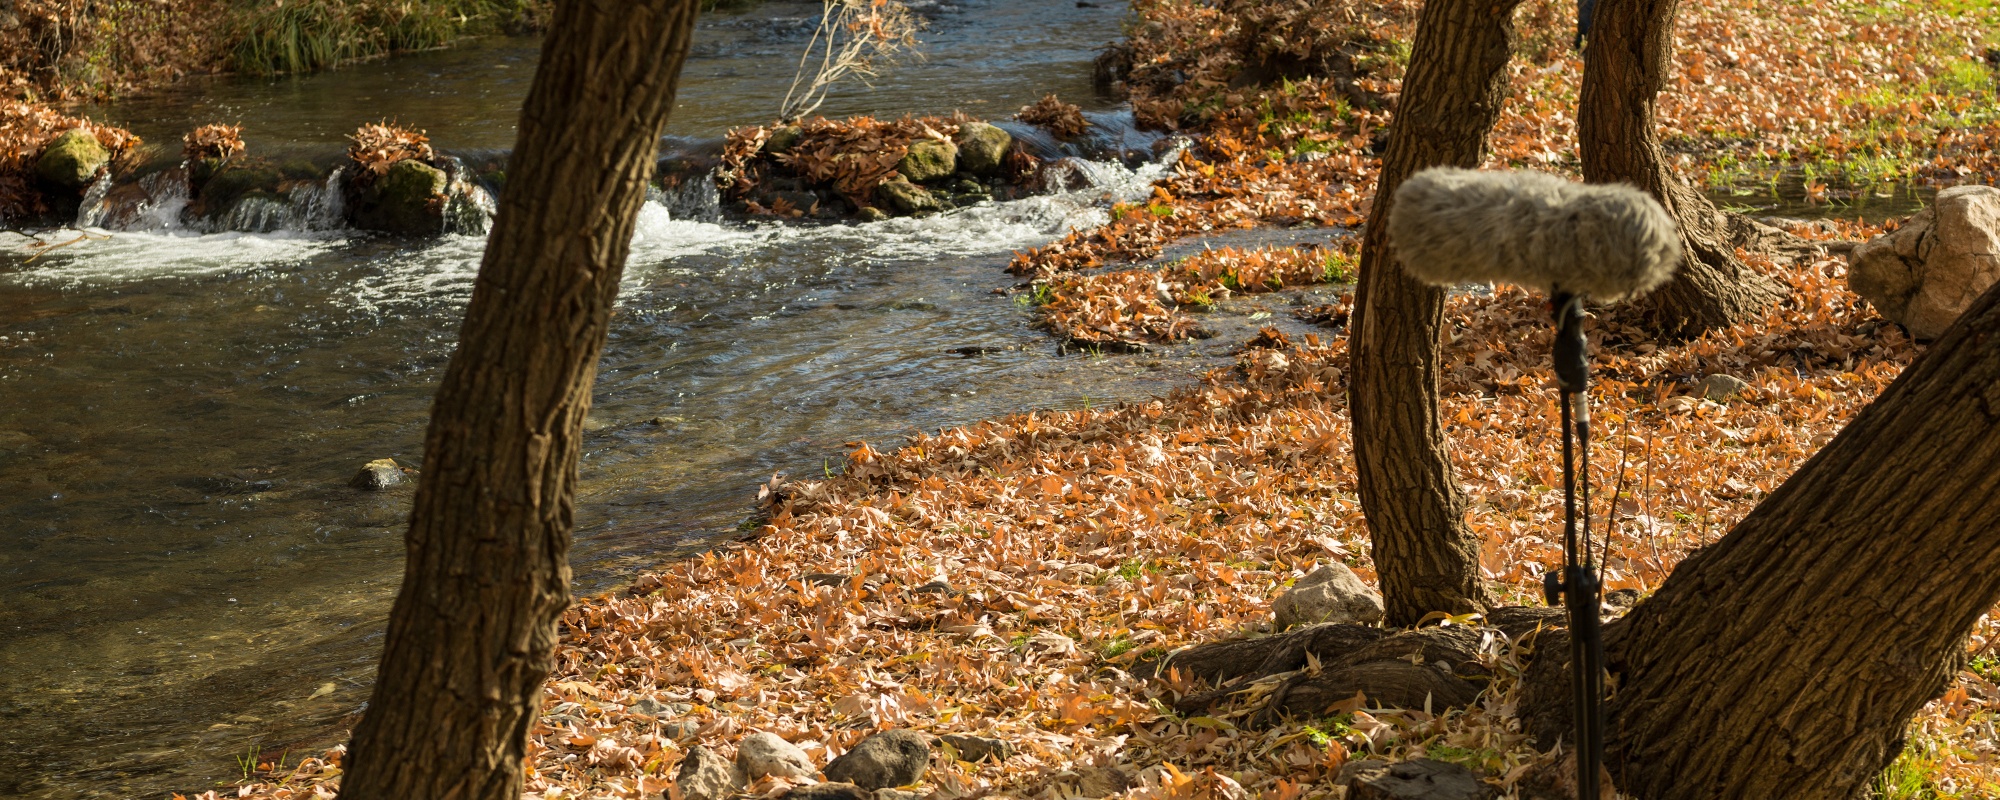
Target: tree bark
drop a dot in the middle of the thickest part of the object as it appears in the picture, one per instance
(472, 634)
(1625, 66)
(1787, 659)
(1426, 556)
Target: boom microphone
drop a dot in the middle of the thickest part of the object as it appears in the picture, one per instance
(1453, 226)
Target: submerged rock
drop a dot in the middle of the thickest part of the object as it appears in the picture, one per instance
(884, 760)
(982, 148)
(1929, 271)
(907, 197)
(377, 475)
(71, 160)
(929, 160)
(408, 198)
(1332, 593)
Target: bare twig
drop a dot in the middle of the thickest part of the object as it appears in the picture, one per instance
(854, 38)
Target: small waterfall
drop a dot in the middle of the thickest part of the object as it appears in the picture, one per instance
(153, 203)
(692, 201)
(92, 209)
(321, 208)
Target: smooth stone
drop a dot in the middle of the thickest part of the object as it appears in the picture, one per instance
(1719, 387)
(982, 148)
(763, 753)
(1332, 593)
(884, 760)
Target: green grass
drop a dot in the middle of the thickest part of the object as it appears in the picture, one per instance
(298, 37)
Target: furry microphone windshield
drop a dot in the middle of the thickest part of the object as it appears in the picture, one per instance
(1452, 226)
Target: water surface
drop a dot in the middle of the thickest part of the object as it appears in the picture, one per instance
(184, 575)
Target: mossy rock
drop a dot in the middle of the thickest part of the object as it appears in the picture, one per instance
(219, 185)
(783, 139)
(907, 197)
(408, 198)
(982, 148)
(929, 160)
(71, 161)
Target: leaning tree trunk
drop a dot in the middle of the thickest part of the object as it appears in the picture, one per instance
(1787, 659)
(1426, 556)
(473, 631)
(1625, 66)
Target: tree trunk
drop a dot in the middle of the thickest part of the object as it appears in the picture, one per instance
(472, 634)
(1625, 66)
(1426, 557)
(1787, 659)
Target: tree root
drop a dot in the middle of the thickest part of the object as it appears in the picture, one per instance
(1311, 671)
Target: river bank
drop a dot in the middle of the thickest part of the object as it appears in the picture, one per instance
(1006, 579)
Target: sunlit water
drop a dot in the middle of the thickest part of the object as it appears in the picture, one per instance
(182, 567)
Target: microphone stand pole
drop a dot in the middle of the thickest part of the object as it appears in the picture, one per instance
(1579, 587)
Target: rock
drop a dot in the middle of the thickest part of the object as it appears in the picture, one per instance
(871, 214)
(907, 197)
(977, 748)
(762, 753)
(680, 729)
(1422, 779)
(1926, 273)
(897, 794)
(377, 475)
(1332, 593)
(409, 198)
(829, 791)
(706, 775)
(783, 139)
(884, 760)
(929, 160)
(1720, 387)
(654, 708)
(71, 161)
(982, 147)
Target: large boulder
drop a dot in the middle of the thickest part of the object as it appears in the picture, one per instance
(763, 753)
(71, 161)
(982, 148)
(408, 198)
(929, 160)
(1927, 272)
(885, 760)
(1332, 593)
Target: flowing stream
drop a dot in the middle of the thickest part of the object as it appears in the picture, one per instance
(185, 577)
